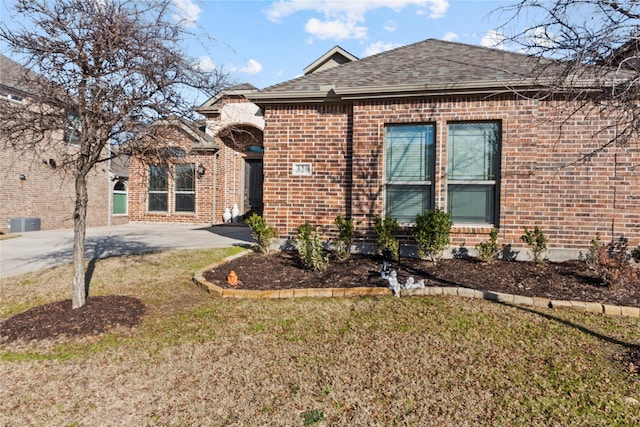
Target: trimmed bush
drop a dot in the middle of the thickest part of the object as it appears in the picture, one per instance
(386, 230)
(537, 242)
(488, 251)
(433, 233)
(309, 246)
(261, 232)
(346, 231)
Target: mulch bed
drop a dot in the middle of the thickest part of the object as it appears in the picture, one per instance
(281, 270)
(571, 280)
(58, 319)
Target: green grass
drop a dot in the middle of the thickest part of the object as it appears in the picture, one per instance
(368, 361)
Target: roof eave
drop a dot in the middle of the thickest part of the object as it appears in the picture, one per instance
(493, 87)
(286, 97)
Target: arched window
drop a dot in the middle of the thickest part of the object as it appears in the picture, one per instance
(119, 198)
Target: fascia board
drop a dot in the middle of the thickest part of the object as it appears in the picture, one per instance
(290, 96)
(395, 91)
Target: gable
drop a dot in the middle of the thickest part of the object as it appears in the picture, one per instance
(334, 57)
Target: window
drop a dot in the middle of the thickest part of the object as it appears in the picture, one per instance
(185, 190)
(74, 127)
(473, 163)
(12, 97)
(119, 198)
(409, 171)
(158, 188)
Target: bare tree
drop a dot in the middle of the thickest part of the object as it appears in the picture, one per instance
(589, 52)
(101, 72)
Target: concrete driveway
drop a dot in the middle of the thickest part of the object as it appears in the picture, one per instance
(36, 250)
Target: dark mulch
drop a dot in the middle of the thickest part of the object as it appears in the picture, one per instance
(566, 281)
(570, 280)
(58, 319)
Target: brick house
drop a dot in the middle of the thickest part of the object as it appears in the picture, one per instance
(215, 166)
(32, 185)
(446, 125)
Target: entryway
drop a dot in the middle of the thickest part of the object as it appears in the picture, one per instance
(254, 178)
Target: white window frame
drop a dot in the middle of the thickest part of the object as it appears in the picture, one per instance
(124, 192)
(423, 187)
(490, 186)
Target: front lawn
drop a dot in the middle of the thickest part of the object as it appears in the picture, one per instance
(196, 360)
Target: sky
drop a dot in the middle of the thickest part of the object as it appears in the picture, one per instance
(267, 42)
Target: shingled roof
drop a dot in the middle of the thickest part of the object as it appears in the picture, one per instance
(13, 75)
(427, 67)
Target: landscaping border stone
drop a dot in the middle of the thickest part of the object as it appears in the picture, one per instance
(461, 292)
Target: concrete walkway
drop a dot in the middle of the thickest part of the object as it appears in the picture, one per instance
(36, 250)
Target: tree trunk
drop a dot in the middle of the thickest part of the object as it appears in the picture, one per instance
(80, 289)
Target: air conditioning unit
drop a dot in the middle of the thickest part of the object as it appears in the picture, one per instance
(21, 225)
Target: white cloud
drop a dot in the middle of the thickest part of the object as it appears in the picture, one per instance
(207, 64)
(335, 29)
(378, 47)
(449, 36)
(252, 67)
(493, 39)
(187, 12)
(438, 8)
(344, 19)
(391, 26)
(540, 37)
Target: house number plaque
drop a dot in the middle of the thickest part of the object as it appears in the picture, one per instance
(301, 169)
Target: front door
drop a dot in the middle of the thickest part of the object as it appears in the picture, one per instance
(253, 186)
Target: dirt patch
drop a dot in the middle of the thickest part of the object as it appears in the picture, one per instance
(58, 319)
(570, 280)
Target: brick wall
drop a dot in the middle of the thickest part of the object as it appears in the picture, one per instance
(47, 193)
(221, 187)
(319, 135)
(204, 188)
(541, 183)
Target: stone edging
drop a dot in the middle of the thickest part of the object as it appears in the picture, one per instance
(584, 307)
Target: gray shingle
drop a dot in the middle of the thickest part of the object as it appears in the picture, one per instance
(427, 63)
(13, 75)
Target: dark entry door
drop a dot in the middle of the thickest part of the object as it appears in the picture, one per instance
(253, 186)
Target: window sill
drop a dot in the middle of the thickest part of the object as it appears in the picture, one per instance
(472, 228)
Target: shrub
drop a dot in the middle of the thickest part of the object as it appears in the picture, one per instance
(309, 247)
(488, 251)
(432, 233)
(386, 230)
(537, 242)
(261, 232)
(346, 231)
(611, 261)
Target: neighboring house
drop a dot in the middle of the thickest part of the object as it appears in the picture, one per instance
(443, 125)
(34, 190)
(119, 175)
